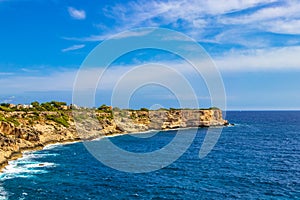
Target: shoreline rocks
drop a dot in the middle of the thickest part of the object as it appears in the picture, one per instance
(34, 130)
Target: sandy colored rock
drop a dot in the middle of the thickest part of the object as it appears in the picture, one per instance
(34, 130)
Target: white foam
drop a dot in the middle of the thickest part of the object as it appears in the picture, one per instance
(51, 146)
(13, 170)
(3, 193)
(27, 166)
(144, 134)
(55, 145)
(230, 125)
(40, 165)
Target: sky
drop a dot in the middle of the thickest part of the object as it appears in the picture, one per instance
(255, 44)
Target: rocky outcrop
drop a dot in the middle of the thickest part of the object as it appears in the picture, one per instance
(133, 121)
(20, 131)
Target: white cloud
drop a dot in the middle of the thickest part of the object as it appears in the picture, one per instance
(204, 20)
(190, 10)
(6, 73)
(193, 11)
(285, 26)
(55, 81)
(136, 33)
(126, 34)
(268, 59)
(76, 14)
(29, 70)
(260, 15)
(222, 22)
(74, 47)
(199, 23)
(283, 18)
(64, 80)
(241, 37)
(283, 58)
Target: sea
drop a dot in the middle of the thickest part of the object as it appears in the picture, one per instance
(257, 158)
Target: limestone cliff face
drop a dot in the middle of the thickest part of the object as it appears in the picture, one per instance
(21, 131)
(168, 119)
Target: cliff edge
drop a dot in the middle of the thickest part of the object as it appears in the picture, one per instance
(31, 130)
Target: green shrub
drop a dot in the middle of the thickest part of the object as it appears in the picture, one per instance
(105, 108)
(48, 106)
(213, 108)
(2, 118)
(145, 109)
(9, 120)
(4, 108)
(14, 121)
(59, 119)
(162, 109)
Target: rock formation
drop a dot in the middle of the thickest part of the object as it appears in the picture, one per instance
(20, 130)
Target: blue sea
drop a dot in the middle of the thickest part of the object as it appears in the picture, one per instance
(258, 158)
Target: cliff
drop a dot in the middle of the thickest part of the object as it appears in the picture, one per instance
(30, 130)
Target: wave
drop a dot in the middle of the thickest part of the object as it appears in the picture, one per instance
(55, 145)
(51, 146)
(34, 155)
(27, 166)
(3, 193)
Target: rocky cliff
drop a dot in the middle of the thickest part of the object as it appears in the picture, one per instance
(20, 130)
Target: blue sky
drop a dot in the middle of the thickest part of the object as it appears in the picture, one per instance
(255, 44)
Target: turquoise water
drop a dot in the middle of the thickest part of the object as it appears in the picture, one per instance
(258, 158)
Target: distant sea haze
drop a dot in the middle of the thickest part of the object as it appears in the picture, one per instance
(258, 158)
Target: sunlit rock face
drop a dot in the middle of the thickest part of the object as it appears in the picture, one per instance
(21, 131)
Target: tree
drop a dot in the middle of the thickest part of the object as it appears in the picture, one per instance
(35, 104)
(103, 107)
(58, 104)
(144, 109)
(214, 108)
(48, 106)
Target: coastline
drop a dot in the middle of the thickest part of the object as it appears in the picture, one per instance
(37, 130)
(17, 155)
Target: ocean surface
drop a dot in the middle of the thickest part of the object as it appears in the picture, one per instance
(258, 158)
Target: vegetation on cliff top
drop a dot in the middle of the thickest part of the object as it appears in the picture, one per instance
(35, 106)
(59, 118)
(60, 112)
(61, 106)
